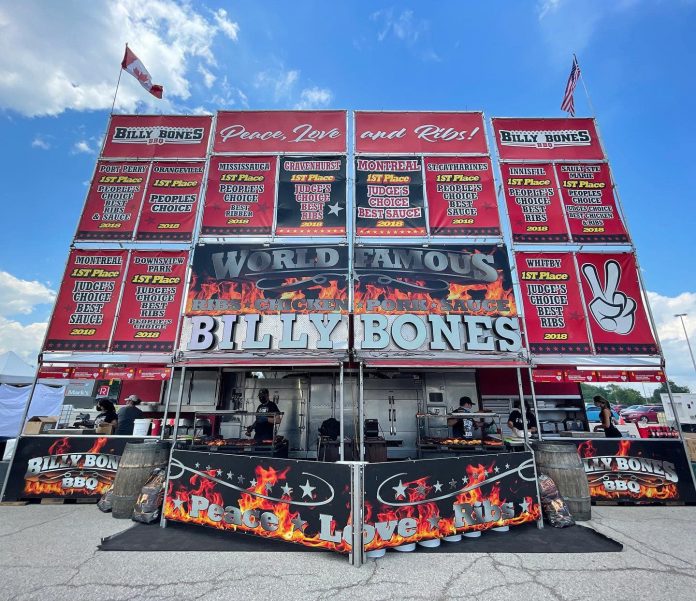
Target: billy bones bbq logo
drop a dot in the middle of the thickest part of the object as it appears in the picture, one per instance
(545, 138)
(157, 135)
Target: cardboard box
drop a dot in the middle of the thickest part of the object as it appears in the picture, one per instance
(104, 429)
(40, 424)
(690, 441)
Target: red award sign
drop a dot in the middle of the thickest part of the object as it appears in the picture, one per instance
(616, 313)
(239, 197)
(280, 131)
(113, 202)
(547, 139)
(171, 199)
(149, 314)
(420, 132)
(157, 136)
(553, 312)
(461, 196)
(589, 203)
(84, 313)
(533, 206)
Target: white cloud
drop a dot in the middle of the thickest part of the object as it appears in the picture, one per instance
(281, 83)
(208, 77)
(402, 26)
(56, 56)
(40, 142)
(313, 98)
(83, 147)
(23, 340)
(671, 334)
(21, 296)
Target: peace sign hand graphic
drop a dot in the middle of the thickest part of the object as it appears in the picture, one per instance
(612, 310)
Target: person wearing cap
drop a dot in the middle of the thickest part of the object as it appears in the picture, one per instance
(462, 428)
(127, 416)
(263, 425)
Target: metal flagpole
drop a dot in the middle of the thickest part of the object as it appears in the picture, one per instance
(584, 87)
(120, 71)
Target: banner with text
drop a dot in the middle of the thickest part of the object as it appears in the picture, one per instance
(461, 196)
(240, 195)
(84, 312)
(546, 139)
(420, 132)
(590, 206)
(171, 200)
(312, 196)
(617, 315)
(157, 136)
(149, 314)
(554, 318)
(113, 201)
(389, 196)
(533, 206)
(280, 131)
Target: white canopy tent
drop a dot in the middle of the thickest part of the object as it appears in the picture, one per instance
(14, 370)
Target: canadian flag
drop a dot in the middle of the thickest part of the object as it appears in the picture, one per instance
(132, 64)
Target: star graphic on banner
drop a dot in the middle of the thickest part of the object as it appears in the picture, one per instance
(268, 486)
(524, 506)
(400, 490)
(230, 475)
(434, 521)
(465, 480)
(485, 473)
(437, 486)
(334, 209)
(286, 489)
(178, 503)
(197, 465)
(219, 472)
(82, 473)
(576, 316)
(496, 469)
(507, 466)
(307, 489)
(240, 479)
(252, 482)
(420, 489)
(453, 483)
(207, 468)
(298, 523)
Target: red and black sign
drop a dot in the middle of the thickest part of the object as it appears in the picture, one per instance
(312, 196)
(533, 206)
(84, 313)
(553, 312)
(240, 195)
(547, 139)
(76, 467)
(420, 132)
(416, 501)
(309, 132)
(113, 202)
(150, 308)
(590, 206)
(302, 502)
(389, 196)
(171, 200)
(157, 137)
(616, 313)
(637, 471)
(461, 196)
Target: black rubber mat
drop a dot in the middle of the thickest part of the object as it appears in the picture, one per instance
(522, 539)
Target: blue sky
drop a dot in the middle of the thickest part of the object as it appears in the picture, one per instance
(59, 62)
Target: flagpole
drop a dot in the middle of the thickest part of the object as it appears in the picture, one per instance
(118, 82)
(584, 87)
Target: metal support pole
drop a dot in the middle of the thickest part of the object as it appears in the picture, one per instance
(676, 421)
(357, 552)
(168, 397)
(534, 403)
(361, 416)
(681, 316)
(341, 444)
(175, 432)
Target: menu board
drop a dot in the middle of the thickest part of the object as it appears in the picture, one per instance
(150, 308)
(461, 196)
(531, 196)
(84, 313)
(239, 196)
(312, 196)
(113, 201)
(389, 196)
(589, 203)
(171, 200)
(553, 313)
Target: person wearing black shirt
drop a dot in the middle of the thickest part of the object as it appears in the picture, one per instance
(516, 424)
(127, 416)
(107, 415)
(263, 425)
(462, 428)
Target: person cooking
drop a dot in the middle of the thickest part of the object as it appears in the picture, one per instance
(610, 430)
(107, 414)
(462, 428)
(263, 425)
(127, 416)
(516, 424)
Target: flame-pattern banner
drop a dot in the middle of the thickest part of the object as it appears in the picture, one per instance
(70, 467)
(411, 501)
(640, 471)
(303, 502)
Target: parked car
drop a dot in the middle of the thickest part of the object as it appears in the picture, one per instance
(592, 412)
(643, 414)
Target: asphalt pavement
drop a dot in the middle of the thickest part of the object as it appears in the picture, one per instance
(49, 553)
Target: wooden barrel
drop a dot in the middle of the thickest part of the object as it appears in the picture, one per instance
(562, 464)
(137, 462)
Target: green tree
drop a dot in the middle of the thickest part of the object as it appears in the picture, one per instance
(662, 389)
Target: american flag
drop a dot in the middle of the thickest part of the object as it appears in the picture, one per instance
(568, 103)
